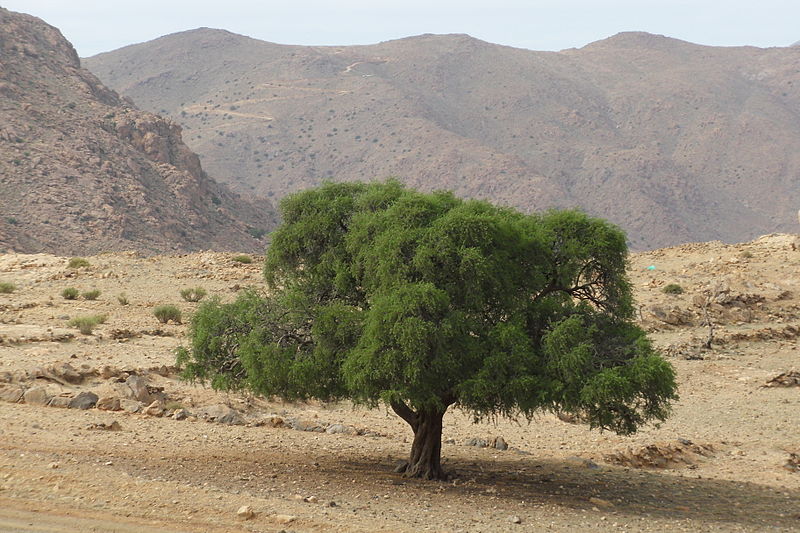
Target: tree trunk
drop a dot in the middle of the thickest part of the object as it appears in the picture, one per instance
(425, 460)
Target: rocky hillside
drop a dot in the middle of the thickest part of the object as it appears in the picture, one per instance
(83, 171)
(673, 141)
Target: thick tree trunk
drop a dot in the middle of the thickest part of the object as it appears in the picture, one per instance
(425, 460)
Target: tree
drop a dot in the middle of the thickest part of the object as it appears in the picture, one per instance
(378, 293)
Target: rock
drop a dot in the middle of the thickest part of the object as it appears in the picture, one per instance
(306, 425)
(245, 512)
(221, 414)
(499, 443)
(515, 520)
(601, 502)
(84, 400)
(60, 401)
(139, 391)
(130, 406)
(310, 499)
(36, 396)
(478, 443)
(284, 518)
(106, 426)
(180, 414)
(341, 429)
(108, 372)
(108, 403)
(154, 409)
(11, 394)
(65, 372)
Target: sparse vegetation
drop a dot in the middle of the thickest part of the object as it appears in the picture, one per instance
(7, 288)
(246, 259)
(78, 262)
(122, 298)
(165, 313)
(91, 295)
(672, 288)
(86, 324)
(193, 294)
(746, 254)
(256, 233)
(70, 293)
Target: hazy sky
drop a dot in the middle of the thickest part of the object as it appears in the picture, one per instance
(100, 26)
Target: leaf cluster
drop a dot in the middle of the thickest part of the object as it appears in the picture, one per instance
(381, 293)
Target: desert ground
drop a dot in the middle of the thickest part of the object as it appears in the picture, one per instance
(98, 433)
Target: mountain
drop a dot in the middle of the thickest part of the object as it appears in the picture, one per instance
(83, 171)
(673, 141)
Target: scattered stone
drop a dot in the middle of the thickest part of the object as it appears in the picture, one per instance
(52, 466)
(108, 403)
(154, 409)
(11, 394)
(64, 372)
(306, 425)
(330, 504)
(106, 426)
(245, 512)
(310, 499)
(515, 520)
(108, 372)
(84, 400)
(284, 518)
(180, 414)
(36, 396)
(130, 406)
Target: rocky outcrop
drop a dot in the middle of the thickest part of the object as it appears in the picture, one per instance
(83, 171)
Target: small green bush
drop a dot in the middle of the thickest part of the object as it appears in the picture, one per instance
(91, 295)
(70, 293)
(122, 298)
(246, 259)
(78, 262)
(165, 313)
(672, 288)
(193, 295)
(7, 288)
(86, 324)
(746, 254)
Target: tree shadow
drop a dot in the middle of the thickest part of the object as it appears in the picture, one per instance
(636, 493)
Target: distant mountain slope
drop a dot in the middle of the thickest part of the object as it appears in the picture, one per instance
(674, 141)
(82, 172)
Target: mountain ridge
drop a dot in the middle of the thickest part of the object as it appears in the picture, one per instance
(673, 141)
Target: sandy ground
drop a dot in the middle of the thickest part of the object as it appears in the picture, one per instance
(721, 463)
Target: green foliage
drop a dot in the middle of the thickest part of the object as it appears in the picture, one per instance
(91, 295)
(422, 301)
(86, 324)
(245, 259)
(7, 287)
(70, 293)
(165, 313)
(194, 294)
(78, 262)
(122, 298)
(672, 288)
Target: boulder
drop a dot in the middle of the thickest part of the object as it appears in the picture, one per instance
(84, 400)
(36, 396)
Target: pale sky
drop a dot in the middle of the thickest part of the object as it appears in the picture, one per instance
(101, 26)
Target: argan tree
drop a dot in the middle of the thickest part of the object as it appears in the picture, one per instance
(378, 293)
